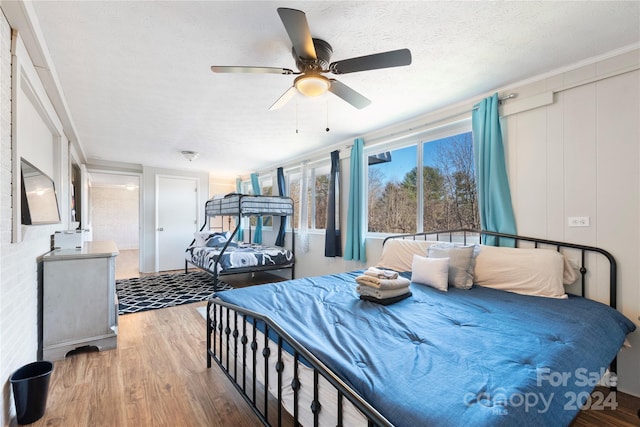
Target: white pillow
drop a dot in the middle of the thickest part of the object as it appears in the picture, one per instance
(432, 272)
(397, 254)
(526, 271)
(460, 262)
(571, 271)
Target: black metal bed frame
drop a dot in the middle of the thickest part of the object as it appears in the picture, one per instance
(242, 270)
(227, 333)
(466, 234)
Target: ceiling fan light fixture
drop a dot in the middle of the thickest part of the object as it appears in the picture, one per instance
(312, 84)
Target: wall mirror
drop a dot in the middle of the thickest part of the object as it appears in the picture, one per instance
(39, 200)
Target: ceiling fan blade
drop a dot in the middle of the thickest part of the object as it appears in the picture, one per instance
(393, 58)
(343, 91)
(295, 22)
(286, 97)
(250, 70)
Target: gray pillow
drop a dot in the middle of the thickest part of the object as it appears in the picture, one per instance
(460, 262)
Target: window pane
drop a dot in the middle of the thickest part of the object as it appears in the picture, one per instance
(392, 191)
(294, 193)
(449, 186)
(266, 188)
(321, 194)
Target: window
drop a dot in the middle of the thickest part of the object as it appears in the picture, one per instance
(449, 184)
(317, 195)
(447, 196)
(266, 189)
(392, 196)
(321, 177)
(294, 193)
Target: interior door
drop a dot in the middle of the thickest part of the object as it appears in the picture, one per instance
(177, 207)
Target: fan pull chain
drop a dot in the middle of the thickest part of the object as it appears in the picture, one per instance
(327, 128)
(297, 117)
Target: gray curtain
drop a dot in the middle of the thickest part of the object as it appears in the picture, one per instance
(333, 239)
(283, 219)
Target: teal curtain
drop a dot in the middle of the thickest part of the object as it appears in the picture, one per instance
(255, 183)
(355, 247)
(240, 234)
(494, 196)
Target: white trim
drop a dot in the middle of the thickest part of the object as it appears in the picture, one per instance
(26, 86)
(526, 104)
(598, 78)
(576, 66)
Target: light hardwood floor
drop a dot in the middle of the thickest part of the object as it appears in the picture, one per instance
(157, 376)
(127, 264)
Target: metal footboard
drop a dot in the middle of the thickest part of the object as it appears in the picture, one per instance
(264, 363)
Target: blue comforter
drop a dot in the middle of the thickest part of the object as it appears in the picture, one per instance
(477, 357)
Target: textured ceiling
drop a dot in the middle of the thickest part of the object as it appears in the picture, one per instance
(137, 79)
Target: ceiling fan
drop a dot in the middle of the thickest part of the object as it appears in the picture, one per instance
(312, 60)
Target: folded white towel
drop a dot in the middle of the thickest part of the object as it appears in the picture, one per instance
(381, 293)
(380, 273)
(374, 282)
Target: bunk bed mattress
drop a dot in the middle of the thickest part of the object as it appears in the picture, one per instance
(249, 205)
(238, 256)
(479, 357)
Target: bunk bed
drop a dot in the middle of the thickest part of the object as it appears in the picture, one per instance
(219, 253)
(310, 350)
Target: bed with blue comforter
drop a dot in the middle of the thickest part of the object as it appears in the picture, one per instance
(478, 357)
(466, 357)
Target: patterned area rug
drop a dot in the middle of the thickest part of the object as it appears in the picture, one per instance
(166, 290)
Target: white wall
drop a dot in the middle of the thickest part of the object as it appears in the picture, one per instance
(115, 216)
(580, 156)
(35, 136)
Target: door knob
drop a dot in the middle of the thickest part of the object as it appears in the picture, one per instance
(160, 229)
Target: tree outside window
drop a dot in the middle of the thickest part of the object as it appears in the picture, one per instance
(321, 180)
(318, 191)
(451, 199)
(448, 192)
(392, 200)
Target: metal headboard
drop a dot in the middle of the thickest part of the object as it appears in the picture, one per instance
(465, 235)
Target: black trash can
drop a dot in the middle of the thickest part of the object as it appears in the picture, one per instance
(30, 389)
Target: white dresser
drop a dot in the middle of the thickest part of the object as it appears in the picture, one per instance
(79, 303)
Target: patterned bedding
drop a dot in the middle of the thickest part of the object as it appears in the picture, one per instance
(238, 256)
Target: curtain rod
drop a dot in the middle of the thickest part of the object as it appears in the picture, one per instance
(501, 99)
